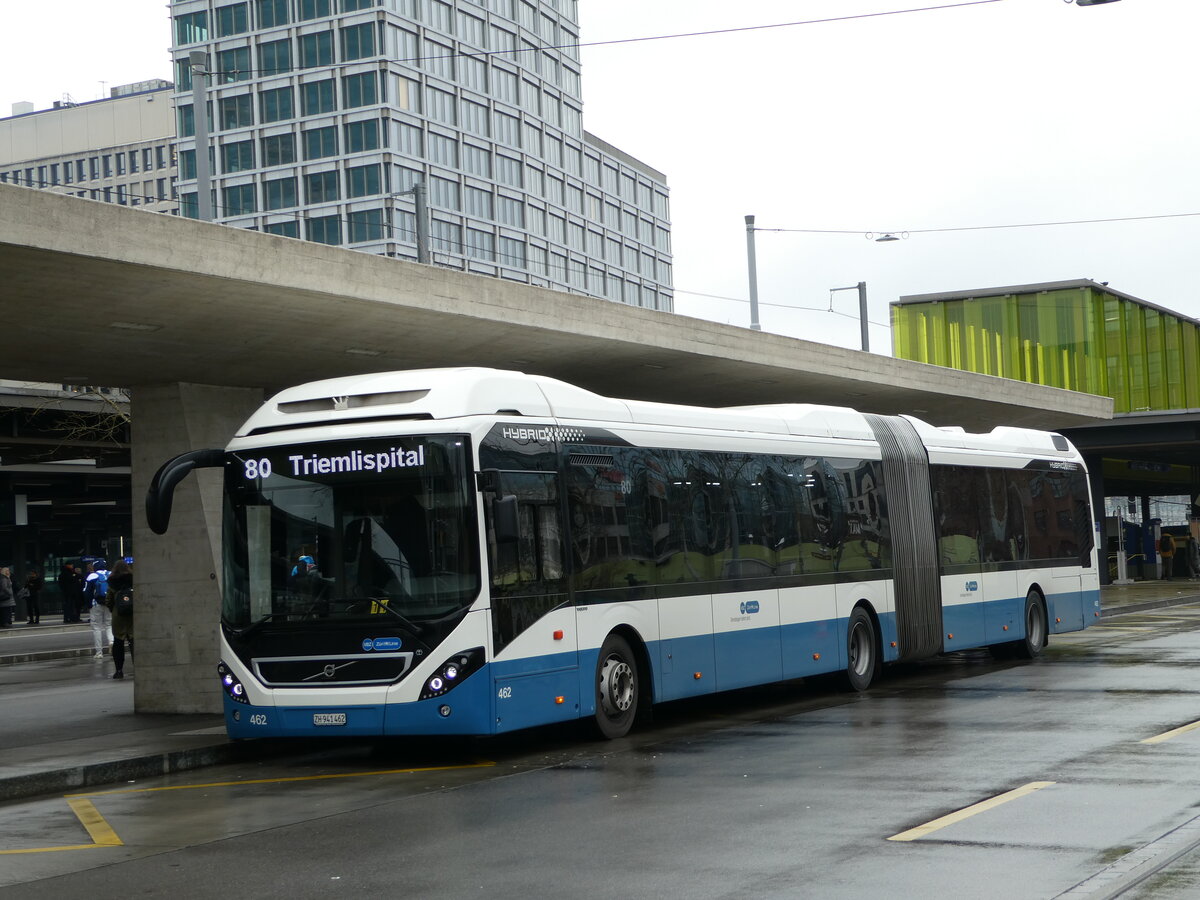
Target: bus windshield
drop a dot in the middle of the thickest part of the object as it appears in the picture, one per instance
(348, 530)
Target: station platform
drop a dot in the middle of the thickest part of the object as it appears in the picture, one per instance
(67, 725)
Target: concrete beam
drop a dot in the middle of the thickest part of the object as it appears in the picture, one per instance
(173, 300)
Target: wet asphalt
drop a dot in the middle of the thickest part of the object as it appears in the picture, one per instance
(788, 791)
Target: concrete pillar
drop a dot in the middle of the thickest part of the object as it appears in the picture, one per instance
(177, 575)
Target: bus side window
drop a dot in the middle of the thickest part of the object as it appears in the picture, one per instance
(533, 563)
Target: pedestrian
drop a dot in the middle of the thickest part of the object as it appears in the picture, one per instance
(120, 604)
(1193, 558)
(33, 587)
(95, 593)
(71, 586)
(1166, 549)
(8, 604)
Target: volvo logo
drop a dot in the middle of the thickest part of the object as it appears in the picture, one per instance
(329, 670)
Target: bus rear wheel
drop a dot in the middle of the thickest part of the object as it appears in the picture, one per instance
(862, 651)
(1036, 632)
(617, 688)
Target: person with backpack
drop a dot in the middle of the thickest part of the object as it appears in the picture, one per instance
(120, 604)
(1166, 549)
(95, 593)
(33, 588)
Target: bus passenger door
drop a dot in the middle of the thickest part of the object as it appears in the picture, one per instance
(1001, 549)
(534, 642)
(746, 628)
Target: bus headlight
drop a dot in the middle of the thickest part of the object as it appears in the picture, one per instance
(453, 671)
(233, 688)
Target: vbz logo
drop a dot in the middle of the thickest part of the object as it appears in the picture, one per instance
(749, 607)
(972, 585)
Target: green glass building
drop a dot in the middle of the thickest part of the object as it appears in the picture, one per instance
(1078, 335)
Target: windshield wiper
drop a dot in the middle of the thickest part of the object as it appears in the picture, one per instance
(257, 626)
(410, 625)
(379, 603)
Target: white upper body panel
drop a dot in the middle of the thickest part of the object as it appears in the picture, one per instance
(457, 393)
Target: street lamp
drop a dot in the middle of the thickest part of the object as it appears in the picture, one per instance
(752, 267)
(421, 210)
(198, 61)
(861, 287)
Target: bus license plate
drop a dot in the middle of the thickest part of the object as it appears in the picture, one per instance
(329, 718)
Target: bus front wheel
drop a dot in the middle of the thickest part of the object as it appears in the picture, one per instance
(617, 688)
(862, 651)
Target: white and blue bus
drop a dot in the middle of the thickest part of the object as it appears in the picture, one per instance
(473, 551)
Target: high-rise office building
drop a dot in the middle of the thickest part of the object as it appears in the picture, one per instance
(325, 113)
(117, 149)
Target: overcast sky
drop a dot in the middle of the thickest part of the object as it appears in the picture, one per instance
(1000, 113)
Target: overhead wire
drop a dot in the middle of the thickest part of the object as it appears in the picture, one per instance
(674, 36)
(787, 306)
(576, 45)
(866, 231)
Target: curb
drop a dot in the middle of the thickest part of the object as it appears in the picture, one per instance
(42, 655)
(1148, 604)
(75, 779)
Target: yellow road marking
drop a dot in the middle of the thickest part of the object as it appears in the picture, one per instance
(937, 824)
(1167, 735)
(50, 849)
(215, 784)
(103, 835)
(100, 831)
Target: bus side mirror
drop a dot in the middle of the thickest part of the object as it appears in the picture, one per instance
(506, 523)
(162, 485)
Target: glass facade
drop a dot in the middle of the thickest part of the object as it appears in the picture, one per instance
(478, 99)
(1080, 336)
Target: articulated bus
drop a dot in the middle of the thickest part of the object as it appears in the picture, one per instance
(472, 551)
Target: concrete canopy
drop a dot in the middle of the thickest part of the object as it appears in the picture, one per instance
(96, 293)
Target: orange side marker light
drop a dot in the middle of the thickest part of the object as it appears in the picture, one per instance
(558, 635)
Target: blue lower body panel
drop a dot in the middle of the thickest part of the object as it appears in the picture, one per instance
(1072, 611)
(245, 721)
(465, 710)
(514, 694)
